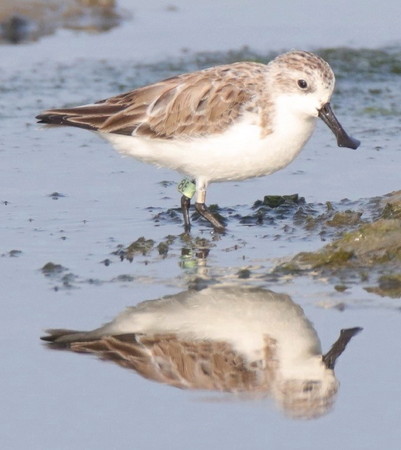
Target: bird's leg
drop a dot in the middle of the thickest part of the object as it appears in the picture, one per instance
(187, 189)
(204, 211)
(185, 204)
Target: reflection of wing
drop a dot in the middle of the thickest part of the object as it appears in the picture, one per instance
(186, 364)
(186, 105)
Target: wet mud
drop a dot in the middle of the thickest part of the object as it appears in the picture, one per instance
(22, 21)
(364, 244)
(369, 251)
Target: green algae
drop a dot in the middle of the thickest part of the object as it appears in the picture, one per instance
(141, 246)
(163, 247)
(52, 269)
(310, 261)
(371, 244)
(365, 243)
(392, 206)
(372, 250)
(274, 201)
(244, 274)
(344, 218)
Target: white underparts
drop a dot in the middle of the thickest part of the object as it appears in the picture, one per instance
(237, 154)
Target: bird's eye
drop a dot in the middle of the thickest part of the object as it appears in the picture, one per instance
(302, 84)
(308, 388)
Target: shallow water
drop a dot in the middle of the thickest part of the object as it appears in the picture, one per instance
(68, 199)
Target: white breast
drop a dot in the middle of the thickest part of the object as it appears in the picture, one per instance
(237, 154)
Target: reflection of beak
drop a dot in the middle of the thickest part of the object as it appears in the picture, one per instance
(343, 140)
(329, 359)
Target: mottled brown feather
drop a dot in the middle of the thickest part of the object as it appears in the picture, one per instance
(211, 365)
(187, 105)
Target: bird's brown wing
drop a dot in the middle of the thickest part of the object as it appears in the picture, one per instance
(187, 105)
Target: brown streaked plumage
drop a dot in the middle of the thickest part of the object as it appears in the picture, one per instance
(229, 122)
(185, 364)
(189, 105)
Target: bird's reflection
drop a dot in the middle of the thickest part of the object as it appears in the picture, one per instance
(222, 338)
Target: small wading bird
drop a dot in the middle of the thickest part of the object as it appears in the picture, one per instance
(243, 340)
(225, 123)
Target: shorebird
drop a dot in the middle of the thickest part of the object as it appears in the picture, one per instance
(224, 123)
(242, 340)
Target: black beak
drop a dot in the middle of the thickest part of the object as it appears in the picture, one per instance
(329, 359)
(343, 140)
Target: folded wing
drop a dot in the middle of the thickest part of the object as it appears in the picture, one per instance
(183, 106)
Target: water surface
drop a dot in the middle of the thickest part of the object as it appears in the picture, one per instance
(68, 199)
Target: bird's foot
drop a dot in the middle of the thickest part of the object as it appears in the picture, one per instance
(204, 212)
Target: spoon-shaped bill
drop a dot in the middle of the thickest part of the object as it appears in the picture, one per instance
(343, 140)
